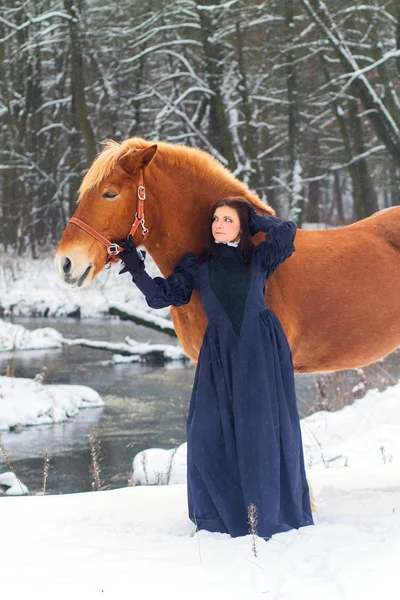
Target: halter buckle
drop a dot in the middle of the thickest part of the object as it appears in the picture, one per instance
(141, 192)
(114, 249)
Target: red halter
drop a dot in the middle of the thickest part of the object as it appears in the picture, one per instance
(112, 248)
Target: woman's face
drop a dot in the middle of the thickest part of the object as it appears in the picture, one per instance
(226, 224)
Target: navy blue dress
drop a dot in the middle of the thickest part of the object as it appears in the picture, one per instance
(244, 441)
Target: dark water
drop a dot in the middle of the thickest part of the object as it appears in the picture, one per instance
(145, 405)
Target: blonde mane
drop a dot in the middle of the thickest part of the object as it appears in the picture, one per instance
(192, 160)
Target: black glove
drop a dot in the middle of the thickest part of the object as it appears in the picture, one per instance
(133, 261)
(259, 223)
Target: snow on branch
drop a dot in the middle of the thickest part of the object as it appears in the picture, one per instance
(337, 41)
(181, 42)
(369, 8)
(371, 67)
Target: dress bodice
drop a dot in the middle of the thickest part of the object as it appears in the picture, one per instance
(229, 279)
(231, 293)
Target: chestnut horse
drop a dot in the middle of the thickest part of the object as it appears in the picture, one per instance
(337, 296)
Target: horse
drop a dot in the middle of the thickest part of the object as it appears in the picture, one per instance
(337, 297)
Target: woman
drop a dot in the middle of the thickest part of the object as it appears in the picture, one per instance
(244, 442)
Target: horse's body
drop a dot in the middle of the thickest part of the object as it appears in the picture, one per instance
(337, 296)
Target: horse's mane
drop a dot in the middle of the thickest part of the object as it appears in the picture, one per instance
(191, 160)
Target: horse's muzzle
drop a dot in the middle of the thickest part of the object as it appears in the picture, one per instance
(69, 274)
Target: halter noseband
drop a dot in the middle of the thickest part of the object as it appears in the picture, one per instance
(114, 249)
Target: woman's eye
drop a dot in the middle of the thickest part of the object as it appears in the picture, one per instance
(229, 220)
(110, 195)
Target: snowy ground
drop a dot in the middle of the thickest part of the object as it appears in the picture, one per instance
(138, 541)
(21, 294)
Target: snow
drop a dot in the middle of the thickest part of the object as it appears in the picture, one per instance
(141, 349)
(10, 485)
(30, 402)
(163, 324)
(157, 466)
(363, 434)
(21, 294)
(139, 540)
(15, 336)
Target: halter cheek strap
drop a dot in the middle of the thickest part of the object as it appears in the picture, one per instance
(114, 249)
(139, 216)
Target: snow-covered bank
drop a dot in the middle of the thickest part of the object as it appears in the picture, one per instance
(364, 434)
(141, 317)
(106, 544)
(139, 350)
(33, 288)
(29, 402)
(18, 338)
(10, 485)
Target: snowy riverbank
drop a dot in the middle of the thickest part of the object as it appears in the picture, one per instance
(30, 402)
(33, 288)
(106, 544)
(362, 435)
(16, 337)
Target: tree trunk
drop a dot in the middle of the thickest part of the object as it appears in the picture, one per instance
(249, 142)
(78, 106)
(296, 194)
(382, 121)
(218, 130)
(365, 196)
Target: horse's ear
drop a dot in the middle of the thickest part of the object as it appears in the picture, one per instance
(137, 159)
(147, 155)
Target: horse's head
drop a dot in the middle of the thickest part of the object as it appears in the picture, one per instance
(107, 204)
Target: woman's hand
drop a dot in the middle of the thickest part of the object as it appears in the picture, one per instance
(259, 223)
(133, 261)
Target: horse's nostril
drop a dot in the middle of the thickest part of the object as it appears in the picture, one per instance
(67, 266)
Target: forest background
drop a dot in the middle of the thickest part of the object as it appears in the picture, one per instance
(299, 99)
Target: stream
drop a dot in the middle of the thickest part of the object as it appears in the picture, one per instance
(145, 405)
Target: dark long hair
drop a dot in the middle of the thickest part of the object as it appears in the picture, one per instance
(245, 247)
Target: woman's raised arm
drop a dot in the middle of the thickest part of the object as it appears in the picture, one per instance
(279, 243)
(175, 290)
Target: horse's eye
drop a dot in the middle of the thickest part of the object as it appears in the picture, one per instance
(110, 195)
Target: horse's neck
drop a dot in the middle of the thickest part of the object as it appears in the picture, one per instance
(182, 203)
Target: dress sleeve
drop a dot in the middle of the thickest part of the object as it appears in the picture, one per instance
(175, 290)
(279, 244)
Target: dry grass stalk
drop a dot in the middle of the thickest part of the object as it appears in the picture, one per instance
(8, 461)
(46, 464)
(143, 460)
(47, 370)
(95, 454)
(197, 531)
(170, 465)
(5, 456)
(252, 521)
(10, 371)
